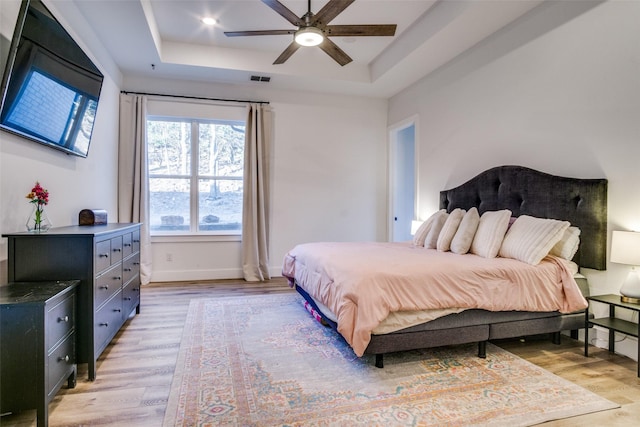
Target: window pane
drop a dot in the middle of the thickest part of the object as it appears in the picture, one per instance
(221, 149)
(220, 203)
(169, 147)
(169, 204)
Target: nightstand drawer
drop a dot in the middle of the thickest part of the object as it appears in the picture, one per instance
(61, 360)
(60, 320)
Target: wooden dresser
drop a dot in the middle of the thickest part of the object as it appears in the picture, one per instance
(37, 354)
(106, 260)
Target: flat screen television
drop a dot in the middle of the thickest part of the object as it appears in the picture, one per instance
(50, 87)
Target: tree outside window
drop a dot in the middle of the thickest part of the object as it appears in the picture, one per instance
(195, 175)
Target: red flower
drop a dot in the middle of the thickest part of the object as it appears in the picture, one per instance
(38, 195)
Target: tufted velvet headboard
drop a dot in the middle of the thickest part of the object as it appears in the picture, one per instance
(524, 191)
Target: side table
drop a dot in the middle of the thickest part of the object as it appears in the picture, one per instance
(38, 344)
(612, 323)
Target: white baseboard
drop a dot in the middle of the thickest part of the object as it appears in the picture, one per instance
(217, 274)
(189, 275)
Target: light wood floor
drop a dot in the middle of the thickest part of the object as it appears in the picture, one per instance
(135, 371)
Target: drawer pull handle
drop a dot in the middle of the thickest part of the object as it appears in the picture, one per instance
(127, 244)
(63, 359)
(117, 278)
(105, 287)
(136, 241)
(117, 310)
(63, 319)
(127, 298)
(136, 289)
(103, 256)
(136, 263)
(117, 250)
(127, 269)
(104, 324)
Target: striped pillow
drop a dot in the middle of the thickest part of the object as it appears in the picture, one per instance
(449, 230)
(530, 239)
(423, 230)
(491, 229)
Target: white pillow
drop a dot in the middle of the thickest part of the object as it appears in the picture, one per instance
(530, 239)
(423, 230)
(461, 242)
(491, 229)
(449, 229)
(431, 241)
(568, 245)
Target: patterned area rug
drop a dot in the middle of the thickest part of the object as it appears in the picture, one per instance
(264, 361)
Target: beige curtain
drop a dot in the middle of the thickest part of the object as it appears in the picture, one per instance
(133, 194)
(255, 212)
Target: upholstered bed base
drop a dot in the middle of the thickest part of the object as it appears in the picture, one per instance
(470, 326)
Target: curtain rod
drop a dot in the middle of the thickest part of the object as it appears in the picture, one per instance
(195, 97)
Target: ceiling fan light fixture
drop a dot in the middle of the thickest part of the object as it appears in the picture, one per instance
(309, 36)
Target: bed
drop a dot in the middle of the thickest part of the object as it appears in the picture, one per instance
(451, 317)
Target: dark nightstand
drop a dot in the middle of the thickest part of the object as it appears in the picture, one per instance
(38, 344)
(612, 323)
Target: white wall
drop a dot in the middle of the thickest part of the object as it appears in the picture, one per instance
(558, 92)
(74, 183)
(328, 177)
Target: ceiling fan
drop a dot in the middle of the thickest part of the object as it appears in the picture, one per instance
(313, 29)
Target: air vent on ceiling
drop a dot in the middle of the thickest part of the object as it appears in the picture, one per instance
(265, 79)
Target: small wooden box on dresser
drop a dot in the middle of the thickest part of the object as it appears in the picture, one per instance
(106, 260)
(37, 352)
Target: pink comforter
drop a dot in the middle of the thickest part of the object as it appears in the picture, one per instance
(361, 283)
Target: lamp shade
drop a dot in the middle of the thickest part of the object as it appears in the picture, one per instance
(625, 247)
(309, 36)
(414, 226)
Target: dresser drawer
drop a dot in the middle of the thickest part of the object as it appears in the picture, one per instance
(116, 250)
(108, 320)
(60, 364)
(130, 296)
(135, 240)
(127, 245)
(107, 284)
(60, 320)
(130, 268)
(103, 255)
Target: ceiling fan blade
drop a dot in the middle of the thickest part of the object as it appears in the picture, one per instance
(360, 30)
(290, 50)
(283, 11)
(258, 33)
(330, 10)
(335, 52)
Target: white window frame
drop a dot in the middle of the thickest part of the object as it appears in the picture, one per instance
(194, 112)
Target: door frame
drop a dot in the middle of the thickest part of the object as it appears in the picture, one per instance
(393, 131)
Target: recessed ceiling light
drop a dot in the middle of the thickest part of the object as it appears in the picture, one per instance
(209, 21)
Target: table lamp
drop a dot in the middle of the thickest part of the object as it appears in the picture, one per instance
(625, 249)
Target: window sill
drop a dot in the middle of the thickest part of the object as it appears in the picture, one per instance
(187, 238)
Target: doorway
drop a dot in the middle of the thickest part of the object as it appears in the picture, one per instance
(402, 180)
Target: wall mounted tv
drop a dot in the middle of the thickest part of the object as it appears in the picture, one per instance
(50, 88)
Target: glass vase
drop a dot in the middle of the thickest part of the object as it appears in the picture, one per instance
(38, 221)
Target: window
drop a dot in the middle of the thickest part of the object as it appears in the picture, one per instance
(195, 169)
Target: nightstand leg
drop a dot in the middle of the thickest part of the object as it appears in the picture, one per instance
(612, 333)
(586, 331)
